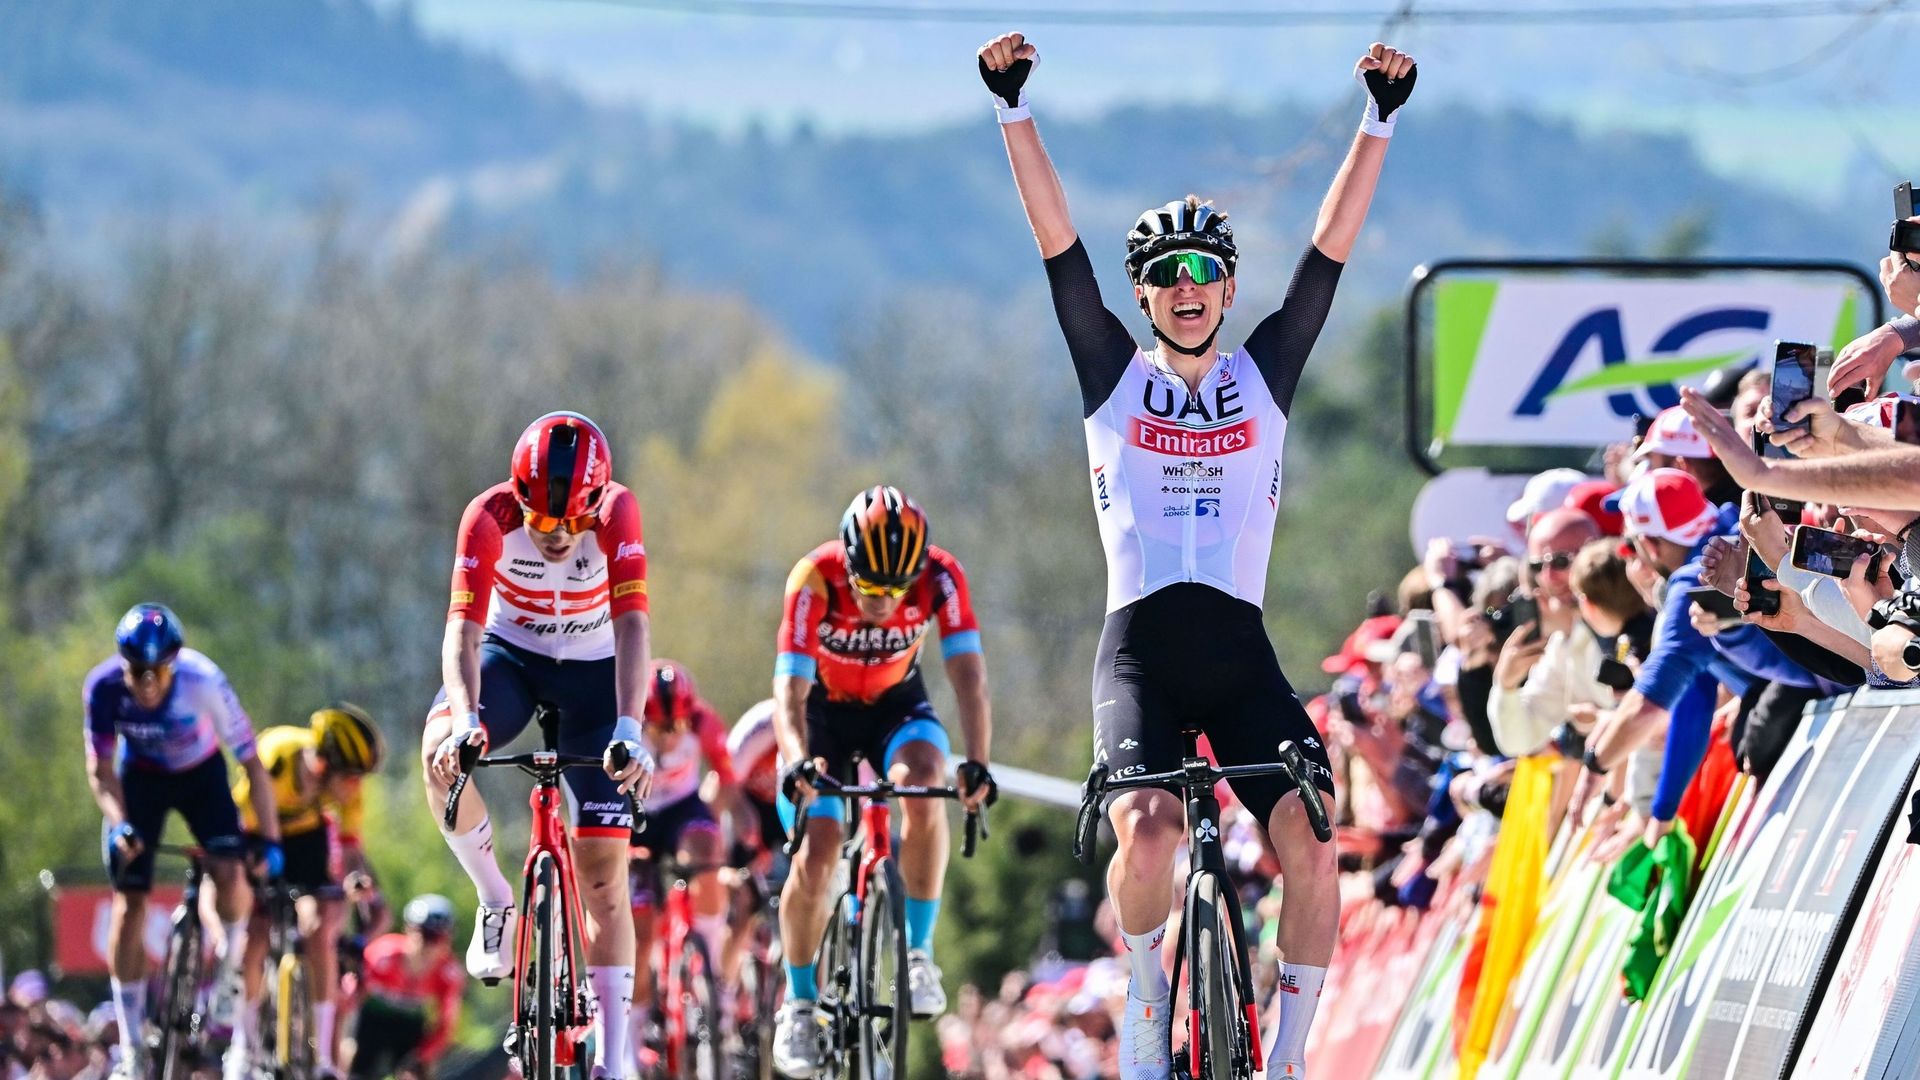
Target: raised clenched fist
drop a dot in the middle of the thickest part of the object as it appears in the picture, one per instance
(1005, 63)
(1387, 74)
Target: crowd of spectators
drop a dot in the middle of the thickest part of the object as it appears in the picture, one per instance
(48, 1038)
(1642, 625)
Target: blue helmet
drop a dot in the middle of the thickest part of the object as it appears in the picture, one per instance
(149, 635)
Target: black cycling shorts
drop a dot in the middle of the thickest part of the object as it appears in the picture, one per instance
(1190, 657)
(200, 794)
(514, 681)
(312, 863)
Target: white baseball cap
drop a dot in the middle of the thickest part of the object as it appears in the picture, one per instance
(1544, 491)
(1668, 504)
(1672, 434)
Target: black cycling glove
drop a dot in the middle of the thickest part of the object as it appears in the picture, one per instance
(972, 774)
(794, 774)
(1384, 98)
(1008, 88)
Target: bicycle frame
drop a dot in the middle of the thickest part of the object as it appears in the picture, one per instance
(1196, 779)
(549, 837)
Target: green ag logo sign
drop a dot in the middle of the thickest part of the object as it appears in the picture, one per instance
(1522, 366)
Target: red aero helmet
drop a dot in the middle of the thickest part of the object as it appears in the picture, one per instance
(561, 466)
(670, 695)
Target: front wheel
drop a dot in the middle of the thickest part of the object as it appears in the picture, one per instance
(699, 1004)
(1218, 1039)
(838, 967)
(179, 1023)
(540, 1000)
(885, 1008)
(293, 1033)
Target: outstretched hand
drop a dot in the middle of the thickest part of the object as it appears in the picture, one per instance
(1734, 452)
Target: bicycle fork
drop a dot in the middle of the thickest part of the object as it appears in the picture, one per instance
(1203, 818)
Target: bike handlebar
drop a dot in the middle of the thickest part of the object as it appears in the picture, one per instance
(541, 764)
(1290, 764)
(829, 788)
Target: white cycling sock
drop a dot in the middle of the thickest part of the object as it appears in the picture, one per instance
(474, 850)
(130, 1010)
(1143, 959)
(713, 931)
(323, 1014)
(613, 989)
(232, 944)
(1299, 997)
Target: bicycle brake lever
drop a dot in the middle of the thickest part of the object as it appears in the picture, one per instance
(973, 833)
(453, 799)
(1089, 822)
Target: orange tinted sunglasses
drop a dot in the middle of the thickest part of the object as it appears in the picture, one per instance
(875, 590)
(546, 523)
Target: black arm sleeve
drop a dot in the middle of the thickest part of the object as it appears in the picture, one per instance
(1816, 659)
(1280, 344)
(1096, 338)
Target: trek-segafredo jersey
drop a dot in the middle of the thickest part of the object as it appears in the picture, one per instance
(1186, 482)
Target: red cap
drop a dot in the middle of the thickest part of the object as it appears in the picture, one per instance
(1364, 645)
(1590, 498)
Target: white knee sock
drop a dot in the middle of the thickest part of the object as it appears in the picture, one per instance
(323, 1014)
(713, 932)
(474, 849)
(232, 944)
(613, 989)
(1143, 958)
(130, 1010)
(1299, 997)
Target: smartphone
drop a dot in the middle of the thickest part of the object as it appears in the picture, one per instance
(1905, 238)
(1522, 610)
(1788, 509)
(1823, 551)
(1716, 603)
(1793, 364)
(1906, 422)
(1902, 210)
(1849, 396)
(1760, 601)
(1614, 675)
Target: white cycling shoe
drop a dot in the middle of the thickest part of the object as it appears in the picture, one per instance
(490, 956)
(799, 1040)
(1146, 1039)
(928, 997)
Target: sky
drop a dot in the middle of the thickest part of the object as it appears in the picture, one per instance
(1803, 104)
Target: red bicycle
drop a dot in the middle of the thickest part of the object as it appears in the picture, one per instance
(689, 975)
(551, 1015)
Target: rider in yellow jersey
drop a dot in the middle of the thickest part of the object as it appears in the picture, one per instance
(316, 774)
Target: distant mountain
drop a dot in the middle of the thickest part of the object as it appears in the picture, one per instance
(251, 109)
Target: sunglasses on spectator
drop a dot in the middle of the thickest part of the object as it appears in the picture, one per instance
(546, 523)
(1554, 560)
(1164, 272)
(875, 590)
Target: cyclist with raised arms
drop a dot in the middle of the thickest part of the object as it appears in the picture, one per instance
(1183, 444)
(157, 716)
(549, 605)
(847, 684)
(315, 772)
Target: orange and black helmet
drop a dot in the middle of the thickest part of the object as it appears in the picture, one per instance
(885, 534)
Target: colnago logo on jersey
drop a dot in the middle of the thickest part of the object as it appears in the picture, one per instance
(871, 644)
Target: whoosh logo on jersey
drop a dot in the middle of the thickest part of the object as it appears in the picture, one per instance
(1184, 442)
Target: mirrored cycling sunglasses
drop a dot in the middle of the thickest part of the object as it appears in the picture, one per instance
(1164, 272)
(875, 590)
(546, 523)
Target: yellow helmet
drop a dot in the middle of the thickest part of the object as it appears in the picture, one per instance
(349, 741)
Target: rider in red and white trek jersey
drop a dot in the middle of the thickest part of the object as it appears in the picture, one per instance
(549, 606)
(684, 733)
(1183, 452)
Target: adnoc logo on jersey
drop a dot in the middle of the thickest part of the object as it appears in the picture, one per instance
(1530, 356)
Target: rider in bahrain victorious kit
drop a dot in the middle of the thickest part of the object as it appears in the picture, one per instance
(1183, 448)
(847, 681)
(549, 605)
